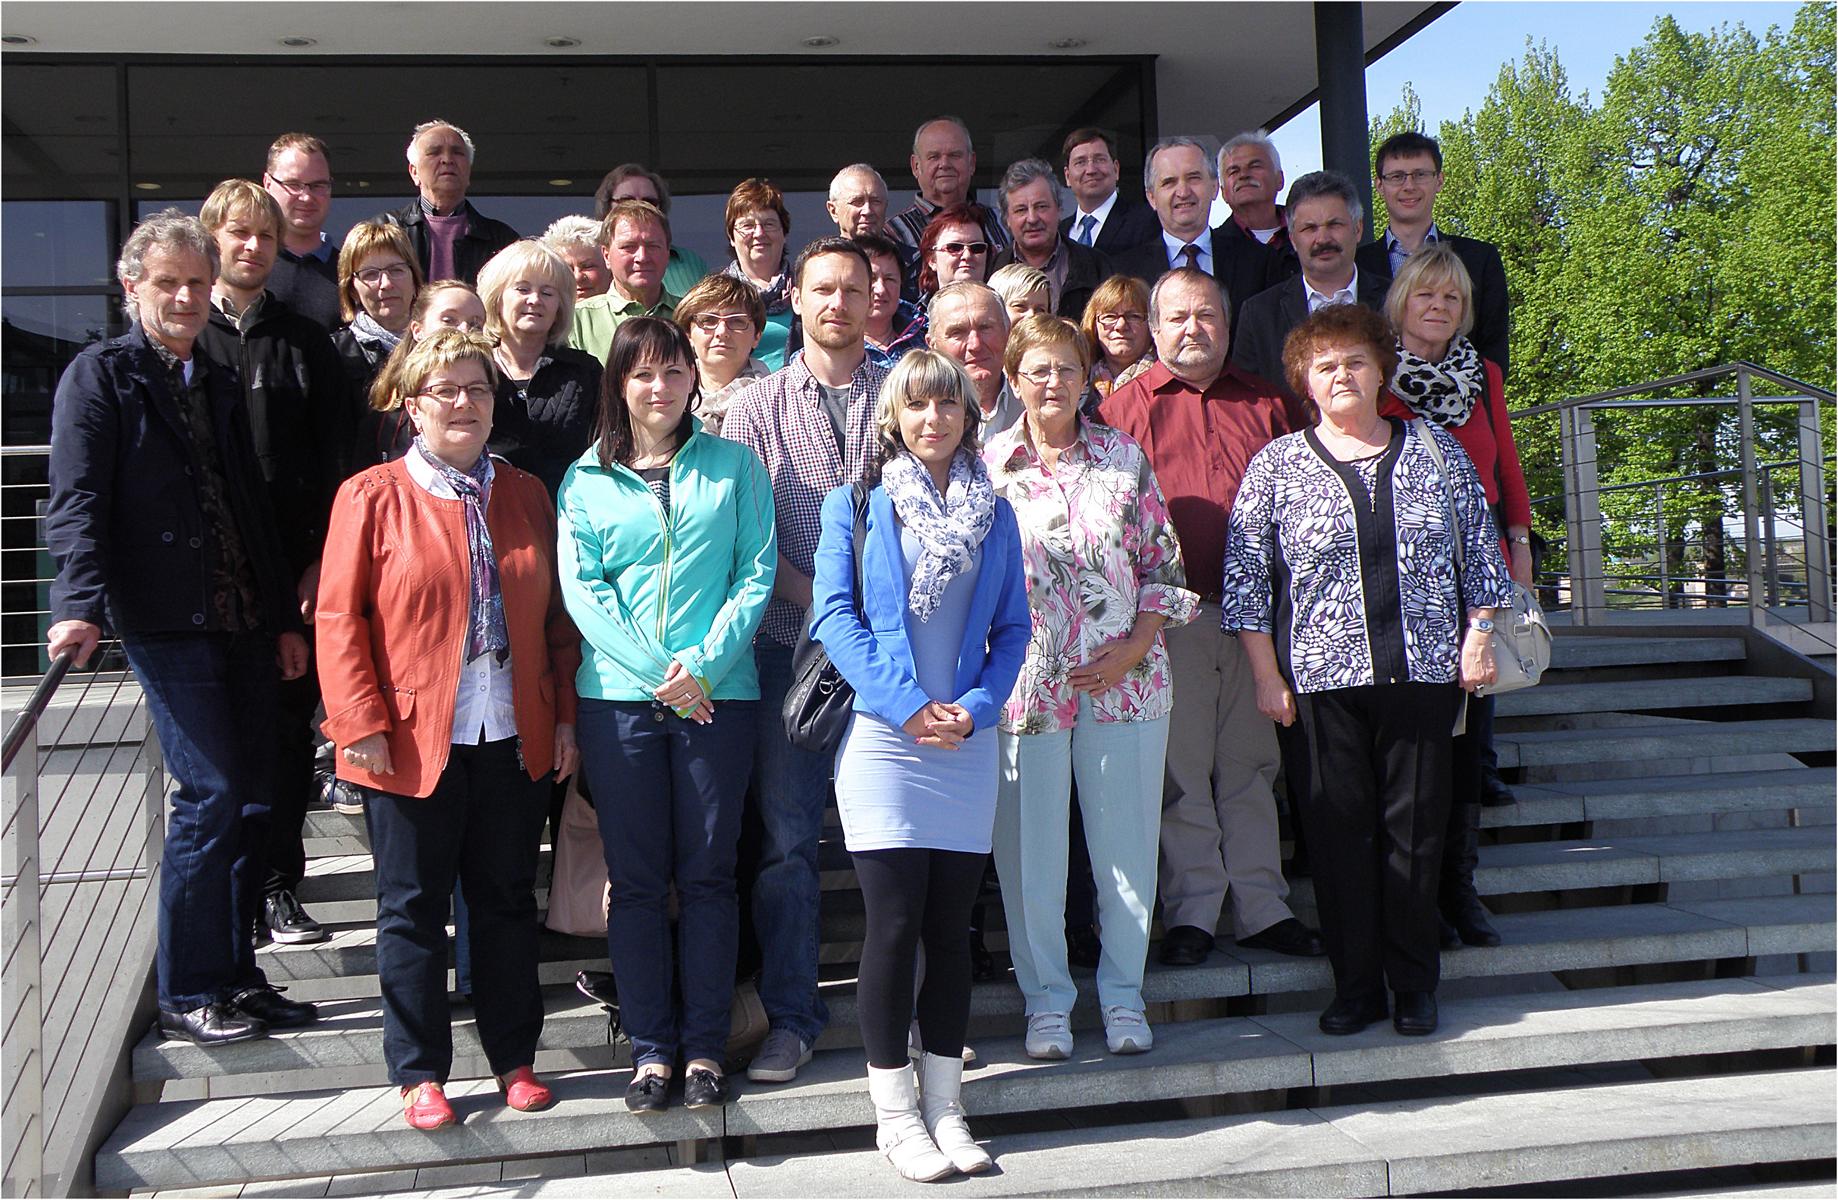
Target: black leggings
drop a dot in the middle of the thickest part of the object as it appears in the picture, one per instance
(913, 895)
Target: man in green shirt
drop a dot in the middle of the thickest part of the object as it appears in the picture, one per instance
(635, 181)
(636, 238)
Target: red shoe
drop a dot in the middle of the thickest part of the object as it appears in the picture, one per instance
(524, 1092)
(425, 1106)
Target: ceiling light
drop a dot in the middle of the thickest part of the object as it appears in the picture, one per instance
(148, 187)
(822, 41)
(561, 43)
(18, 39)
(1066, 43)
(297, 42)
(561, 183)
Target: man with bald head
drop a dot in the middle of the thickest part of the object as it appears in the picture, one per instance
(858, 201)
(451, 238)
(1180, 179)
(944, 166)
(1199, 420)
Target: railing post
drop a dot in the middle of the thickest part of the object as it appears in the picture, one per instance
(24, 1050)
(1659, 523)
(1819, 599)
(1751, 516)
(1583, 517)
(1770, 547)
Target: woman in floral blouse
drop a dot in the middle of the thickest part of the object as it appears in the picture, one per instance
(1104, 576)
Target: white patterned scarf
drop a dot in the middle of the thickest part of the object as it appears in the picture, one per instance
(949, 527)
(1443, 393)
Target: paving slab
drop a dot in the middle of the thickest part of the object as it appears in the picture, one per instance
(698, 1182)
(1662, 742)
(1571, 652)
(1665, 796)
(1641, 695)
(1583, 1133)
(1773, 924)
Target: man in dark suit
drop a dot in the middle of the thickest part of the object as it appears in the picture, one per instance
(1030, 201)
(1180, 180)
(1325, 224)
(1104, 218)
(1250, 180)
(1408, 167)
(451, 238)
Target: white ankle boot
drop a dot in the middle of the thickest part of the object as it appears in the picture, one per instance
(940, 1084)
(899, 1130)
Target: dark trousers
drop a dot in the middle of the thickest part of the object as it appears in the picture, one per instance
(668, 796)
(292, 788)
(910, 897)
(206, 694)
(1468, 756)
(482, 825)
(1377, 805)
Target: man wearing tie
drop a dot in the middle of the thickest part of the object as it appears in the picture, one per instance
(1105, 219)
(1180, 180)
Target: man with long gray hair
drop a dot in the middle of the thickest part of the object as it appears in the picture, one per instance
(163, 533)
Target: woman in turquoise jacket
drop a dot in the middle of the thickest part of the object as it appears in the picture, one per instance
(667, 556)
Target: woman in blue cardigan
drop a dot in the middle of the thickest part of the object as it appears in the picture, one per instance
(933, 655)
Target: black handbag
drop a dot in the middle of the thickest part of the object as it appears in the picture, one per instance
(820, 700)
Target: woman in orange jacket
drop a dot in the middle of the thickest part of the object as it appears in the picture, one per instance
(447, 665)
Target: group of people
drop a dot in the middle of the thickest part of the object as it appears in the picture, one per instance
(1106, 516)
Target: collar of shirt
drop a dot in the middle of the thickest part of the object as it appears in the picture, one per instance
(1101, 212)
(1395, 251)
(428, 209)
(1015, 446)
(325, 251)
(1282, 226)
(1176, 250)
(243, 319)
(434, 483)
(1346, 295)
(616, 301)
(800, 382)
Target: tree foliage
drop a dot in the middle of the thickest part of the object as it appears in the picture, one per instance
(1686, 220)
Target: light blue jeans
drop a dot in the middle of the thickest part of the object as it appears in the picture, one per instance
(1118, 766)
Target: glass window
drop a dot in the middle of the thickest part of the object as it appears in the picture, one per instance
(62, 140)
(57, 243)
(41, 335)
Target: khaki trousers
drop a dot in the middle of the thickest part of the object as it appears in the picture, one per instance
(1219, 830)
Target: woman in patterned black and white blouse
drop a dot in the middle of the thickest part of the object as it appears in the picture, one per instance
(1341, 578)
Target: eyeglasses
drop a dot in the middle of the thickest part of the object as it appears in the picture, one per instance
(1043, 376)
(715, 322)
(959, 249)
(749, 226)
(449, 393)
(1117, 320)
(303, 187)
(371, 276)
(1400, 178)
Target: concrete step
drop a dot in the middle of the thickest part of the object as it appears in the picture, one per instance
(1644, 695)
(360, 1129)
(1669, 743)
(1578, 651)
(345, 1047)
(1665, 796)
(1622, 861)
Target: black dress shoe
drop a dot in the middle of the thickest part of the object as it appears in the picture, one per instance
(703, 1088)
(267, 1005)
(211, 1025)
(648, 1094)
(1446, 934)
(1350, 1014)
(1471, 925)
(1288, 936)
(1082, 947)
(1494, 792)
(1186, 946)
(1413, 1014)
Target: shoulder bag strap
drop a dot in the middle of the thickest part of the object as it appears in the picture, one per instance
(860, 497)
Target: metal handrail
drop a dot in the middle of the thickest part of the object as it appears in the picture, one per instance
(40, 700)
(1670, 381)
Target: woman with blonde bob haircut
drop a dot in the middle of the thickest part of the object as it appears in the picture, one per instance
(547, 392)
(448, 664)
(1104, 577)
(932, 649)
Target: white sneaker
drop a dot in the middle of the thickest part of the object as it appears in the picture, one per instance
(1049, 1035)
(1126, 1030)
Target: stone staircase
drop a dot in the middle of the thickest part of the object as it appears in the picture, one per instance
(1664, 1002)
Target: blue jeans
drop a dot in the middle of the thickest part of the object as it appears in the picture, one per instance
(668, 796)
(483, 825)
(791, 787)
(213, 701)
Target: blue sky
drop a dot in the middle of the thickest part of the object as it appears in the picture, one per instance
(1453, 62)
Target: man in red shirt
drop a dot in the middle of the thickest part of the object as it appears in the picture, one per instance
(1200, 420)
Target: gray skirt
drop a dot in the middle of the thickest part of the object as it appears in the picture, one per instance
(893, 794)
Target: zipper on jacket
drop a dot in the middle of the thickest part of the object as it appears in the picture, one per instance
(663, 523)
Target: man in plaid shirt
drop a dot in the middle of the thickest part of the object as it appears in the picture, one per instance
(812, 425)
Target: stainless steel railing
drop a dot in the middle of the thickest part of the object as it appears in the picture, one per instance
(81, 830)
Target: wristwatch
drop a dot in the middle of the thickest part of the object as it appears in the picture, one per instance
(1524, 539)
(1481, 625)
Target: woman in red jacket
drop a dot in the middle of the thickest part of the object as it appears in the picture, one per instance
(447, 664)
(1442, 378)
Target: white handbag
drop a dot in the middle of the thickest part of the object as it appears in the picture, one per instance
(1521, 639)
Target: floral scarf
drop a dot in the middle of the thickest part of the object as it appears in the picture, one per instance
(485, 628)
(1444, 393)
(776, 296)
(376, 340)
(949, 527)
